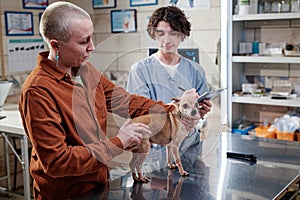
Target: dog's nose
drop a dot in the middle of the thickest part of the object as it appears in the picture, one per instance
(194, 112)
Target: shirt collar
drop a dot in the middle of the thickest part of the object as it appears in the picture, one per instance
(49, 66)
(55, 71)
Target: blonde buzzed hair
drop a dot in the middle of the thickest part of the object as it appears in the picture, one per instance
(56, 21)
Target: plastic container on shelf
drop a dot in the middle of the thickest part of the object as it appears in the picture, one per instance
(243, 131)
(253, 7)
(295, 5)
(260, 7)
(285, 6)
(276, 6)
(281, 135)
(265, 132)
(298, 136)
(244, 7)
(236, 9)
(267, 6)
(255, 47)
(242, 127)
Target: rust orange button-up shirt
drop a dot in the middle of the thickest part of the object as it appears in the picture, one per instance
(66, 123)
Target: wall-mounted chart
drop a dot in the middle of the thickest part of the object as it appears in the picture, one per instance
(22, 53)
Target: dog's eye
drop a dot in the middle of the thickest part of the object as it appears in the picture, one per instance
(185, 106)
(196, 105)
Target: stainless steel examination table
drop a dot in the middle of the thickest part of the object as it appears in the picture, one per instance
(273, 175)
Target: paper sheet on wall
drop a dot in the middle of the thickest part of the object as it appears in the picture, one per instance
(189, 4)
(22, 53)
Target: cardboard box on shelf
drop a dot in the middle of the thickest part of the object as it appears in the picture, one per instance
(265, 132)
(298, 136)
(281, 135)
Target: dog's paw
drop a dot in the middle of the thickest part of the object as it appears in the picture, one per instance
(172, 166)
(184, 173)
(142, 179)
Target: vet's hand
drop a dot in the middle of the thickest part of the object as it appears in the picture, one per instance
(190, 122)
(132, 133)
(204, 107)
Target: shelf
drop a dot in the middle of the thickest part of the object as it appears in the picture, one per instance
(266, 16)
(295, 102)
(256, 27)
(266, 59)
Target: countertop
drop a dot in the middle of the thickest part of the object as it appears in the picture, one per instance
(214, 176)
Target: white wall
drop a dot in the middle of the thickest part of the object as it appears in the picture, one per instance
(116, 52)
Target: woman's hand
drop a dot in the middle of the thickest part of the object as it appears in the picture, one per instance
(131, 133)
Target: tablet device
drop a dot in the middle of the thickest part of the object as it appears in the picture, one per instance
(210, 95)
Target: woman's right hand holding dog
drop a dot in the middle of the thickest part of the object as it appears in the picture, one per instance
(131, 133)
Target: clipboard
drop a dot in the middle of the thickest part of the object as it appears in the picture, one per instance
(210, 95)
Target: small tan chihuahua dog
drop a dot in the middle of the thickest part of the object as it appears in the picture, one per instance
(167, 130)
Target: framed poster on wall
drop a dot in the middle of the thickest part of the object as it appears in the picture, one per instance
(104, 3)
(143, 2)
(35, 4)
(123, 21)
(18, 23)
(188, 4)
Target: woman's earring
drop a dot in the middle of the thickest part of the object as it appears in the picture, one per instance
(56, 58)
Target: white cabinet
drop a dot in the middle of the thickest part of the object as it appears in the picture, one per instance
(237, 69)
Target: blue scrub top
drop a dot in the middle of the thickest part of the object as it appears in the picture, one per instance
(149, 78)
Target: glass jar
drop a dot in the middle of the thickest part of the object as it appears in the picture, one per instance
(276, 6)
(267, 6)
(295, 5)
(236, 9)
(261, 6)
(285, 6)
(244, 7)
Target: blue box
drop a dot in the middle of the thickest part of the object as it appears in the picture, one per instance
(243, 131)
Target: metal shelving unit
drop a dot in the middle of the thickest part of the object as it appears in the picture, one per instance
(265, 59)
(267, 101)
(233, 66)
(265, 16)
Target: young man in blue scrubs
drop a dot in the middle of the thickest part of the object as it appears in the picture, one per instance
(160, 75)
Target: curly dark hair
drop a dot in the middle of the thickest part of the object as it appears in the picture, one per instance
(174, 16)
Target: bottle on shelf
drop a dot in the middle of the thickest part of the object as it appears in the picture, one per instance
(236, 9)
(267, 6)
(285, 6)
(244, 7)
(276, 6)
(253, 6)
(261, 6)
(295, 5)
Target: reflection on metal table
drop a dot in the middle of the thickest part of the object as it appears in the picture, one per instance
(11, 126)
(214, 176)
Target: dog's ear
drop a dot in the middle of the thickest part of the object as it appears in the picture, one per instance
(176, 100)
